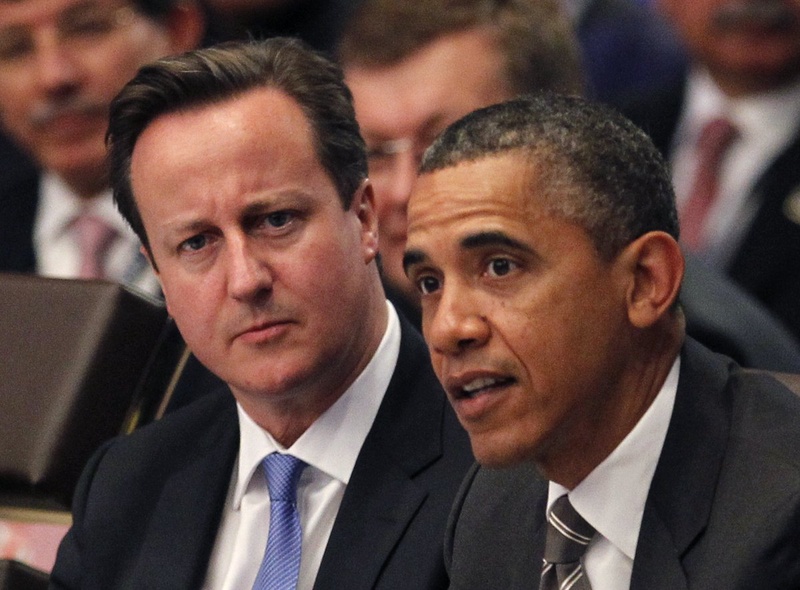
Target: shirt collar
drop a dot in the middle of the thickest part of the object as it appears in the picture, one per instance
(59, 205)
(612, 497)
(774, 114)
(332, 443)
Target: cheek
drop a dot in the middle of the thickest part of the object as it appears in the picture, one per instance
(191, 311)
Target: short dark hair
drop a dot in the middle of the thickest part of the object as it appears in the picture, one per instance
(219, 73)
(594, 167)
(535, 37)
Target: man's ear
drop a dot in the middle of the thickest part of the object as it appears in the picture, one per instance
(656, 263)
(186, 24)
(363, 206)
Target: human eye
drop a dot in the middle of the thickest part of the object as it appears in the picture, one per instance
(14, 44)
(194, 243)
(87, 21)
(427, 284)
(279, 219)
(500, 267)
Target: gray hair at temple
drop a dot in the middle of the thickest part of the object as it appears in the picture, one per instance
(593, 166)
(215, 74)
(535, 37)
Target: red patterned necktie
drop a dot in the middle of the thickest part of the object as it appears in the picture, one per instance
(715, 139)
(94, 237)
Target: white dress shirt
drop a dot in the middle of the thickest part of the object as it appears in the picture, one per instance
(767, 123)
(57, 251)
(612, 497)
(329, 447)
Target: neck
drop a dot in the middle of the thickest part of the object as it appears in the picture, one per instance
(87, 184)
(652, 356)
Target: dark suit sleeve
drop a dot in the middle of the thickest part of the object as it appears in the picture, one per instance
(67, 572)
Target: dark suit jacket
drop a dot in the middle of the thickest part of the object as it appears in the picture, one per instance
(148, 507)
(767, 262)
(19, 197)
(723, 510)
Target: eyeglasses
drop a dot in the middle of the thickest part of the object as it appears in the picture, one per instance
(79, 27)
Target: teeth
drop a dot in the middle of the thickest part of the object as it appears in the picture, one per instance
(481, 383)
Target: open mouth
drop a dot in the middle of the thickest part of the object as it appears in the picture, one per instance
(482, 385)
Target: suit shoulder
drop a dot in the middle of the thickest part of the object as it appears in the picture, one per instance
(205, 422)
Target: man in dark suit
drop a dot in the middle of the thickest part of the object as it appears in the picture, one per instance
(415, 67)
(543, 240)
(242, 171)
(746, 70)
(61, 63)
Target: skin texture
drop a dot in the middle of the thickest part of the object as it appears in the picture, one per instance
(54, 95)
(744, 53)
(271, 281)
(559, 343)
(413, 101)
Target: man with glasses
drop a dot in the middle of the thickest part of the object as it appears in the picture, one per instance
(61, 63)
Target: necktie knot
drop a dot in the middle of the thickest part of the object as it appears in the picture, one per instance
(568, 536)
(282, 473)
(715, 137)
(94, 237)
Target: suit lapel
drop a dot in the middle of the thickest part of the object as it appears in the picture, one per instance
(189, 506)
(679, 502)
(382, 497)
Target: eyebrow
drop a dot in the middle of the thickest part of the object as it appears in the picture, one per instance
(470, 242)
(493, 238)
(412, 257)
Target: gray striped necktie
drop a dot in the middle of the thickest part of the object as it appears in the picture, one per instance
(567, 537)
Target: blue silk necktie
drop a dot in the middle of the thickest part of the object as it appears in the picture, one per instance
(281, 564)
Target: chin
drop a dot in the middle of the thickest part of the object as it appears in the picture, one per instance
(498, 453)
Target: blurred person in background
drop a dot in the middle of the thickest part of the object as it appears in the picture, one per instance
(61, 63)
(731, 129)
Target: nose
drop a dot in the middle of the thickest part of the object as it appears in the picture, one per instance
(249, 279)
(456, 322)
(402, 177)
(55, 66)
(393, 183)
